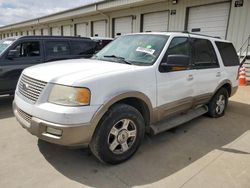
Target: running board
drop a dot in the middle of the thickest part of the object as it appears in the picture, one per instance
(177, 120)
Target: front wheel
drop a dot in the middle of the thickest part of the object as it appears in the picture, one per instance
(119, 134)
(218, 104)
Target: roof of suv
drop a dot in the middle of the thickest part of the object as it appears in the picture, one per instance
(46, 37)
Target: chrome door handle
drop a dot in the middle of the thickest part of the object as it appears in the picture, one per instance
(218, 74)
(190, 77)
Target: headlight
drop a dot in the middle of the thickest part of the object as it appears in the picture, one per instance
(69, 96)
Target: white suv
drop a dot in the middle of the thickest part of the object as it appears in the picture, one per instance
(147, 82)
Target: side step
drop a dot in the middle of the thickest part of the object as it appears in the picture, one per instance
(177, 120)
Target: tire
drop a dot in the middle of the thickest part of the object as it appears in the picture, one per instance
(218, 104)
(118, 135)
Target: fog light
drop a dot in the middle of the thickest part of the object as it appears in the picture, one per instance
(56, 132)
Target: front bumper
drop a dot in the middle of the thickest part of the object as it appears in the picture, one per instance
(73, 135)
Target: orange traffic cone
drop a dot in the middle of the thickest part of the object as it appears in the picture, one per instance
(242, 77)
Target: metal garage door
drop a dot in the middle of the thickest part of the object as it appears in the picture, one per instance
(81, 29)
(56, 31)
(123, 26)
(99, 28)
(209, 19)
(66, 30)
(30, 32)
(157, 21)
(38, 32)
(46, 32)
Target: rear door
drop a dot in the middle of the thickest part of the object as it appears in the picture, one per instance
(57, 49)
(30, 52)
(207, 71)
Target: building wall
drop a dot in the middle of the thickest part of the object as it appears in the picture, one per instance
(238, 24)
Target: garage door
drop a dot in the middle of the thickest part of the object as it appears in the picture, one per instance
(56, 31)
(155, 22)
(99, 29)
(66, 30)
(30, 32)
(46, 32)
(209, 19)
(123, 26)
(81, 29)
(38, 32)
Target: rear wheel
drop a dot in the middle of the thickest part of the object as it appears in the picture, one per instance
(218, 104)
(118, 135)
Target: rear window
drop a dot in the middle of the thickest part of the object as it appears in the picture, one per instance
(228, 54)
(83, 47)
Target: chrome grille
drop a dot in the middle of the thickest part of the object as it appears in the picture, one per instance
(24, 115)
(30, 88)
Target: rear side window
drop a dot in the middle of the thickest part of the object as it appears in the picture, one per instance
(57, 48)
(83, 47)
(203, 54)
(228, 54)
(100, 44)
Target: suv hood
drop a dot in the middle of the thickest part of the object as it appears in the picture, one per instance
(68, 72)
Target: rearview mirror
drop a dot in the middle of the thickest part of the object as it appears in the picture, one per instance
(13, 54)
(175, 63)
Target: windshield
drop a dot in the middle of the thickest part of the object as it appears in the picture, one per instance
(4, 44)
(140, 49)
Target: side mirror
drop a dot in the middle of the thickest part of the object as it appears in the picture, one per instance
(175, 63)
(13, 54)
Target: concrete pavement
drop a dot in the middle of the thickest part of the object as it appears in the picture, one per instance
(202, 153)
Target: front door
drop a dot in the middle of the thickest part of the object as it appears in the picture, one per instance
(28, 53)
(175, 88)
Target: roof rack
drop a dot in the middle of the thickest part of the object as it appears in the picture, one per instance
(200, 34)
(49, 36)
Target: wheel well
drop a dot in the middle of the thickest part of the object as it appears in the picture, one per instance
(140, 105)
(228, 88)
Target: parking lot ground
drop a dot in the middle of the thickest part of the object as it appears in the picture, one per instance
(204, 153)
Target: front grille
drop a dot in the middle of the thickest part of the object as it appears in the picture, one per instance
(24, 115)
(30, 88)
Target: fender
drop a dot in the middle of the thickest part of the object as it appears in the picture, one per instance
(107, 104)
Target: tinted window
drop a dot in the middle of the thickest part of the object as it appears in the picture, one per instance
(228, 54)
(178, 46)
(203, 54)
(57, 48)
(83, 47)
(100, 44)
(28, 49)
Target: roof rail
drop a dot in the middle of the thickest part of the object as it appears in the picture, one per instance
(200, 34)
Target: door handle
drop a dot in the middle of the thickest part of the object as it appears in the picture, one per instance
(218, 74)
(190, 77)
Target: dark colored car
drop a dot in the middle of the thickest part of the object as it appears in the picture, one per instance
(101, 42)
(19, 53)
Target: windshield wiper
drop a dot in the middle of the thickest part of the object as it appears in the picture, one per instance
(119, 58)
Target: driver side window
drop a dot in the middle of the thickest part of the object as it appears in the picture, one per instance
(178, 46)
(28, 49)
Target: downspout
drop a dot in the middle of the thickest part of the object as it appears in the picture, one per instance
(107, 17)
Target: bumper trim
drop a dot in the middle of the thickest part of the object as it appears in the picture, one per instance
(73, 135)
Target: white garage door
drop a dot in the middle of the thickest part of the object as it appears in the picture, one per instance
(123, 26)
(66, 30)
(38, 32)
(81, 29)
(46, 32)
(30, 32)
(56, 31)
(209, 19)
(156, 22)
(100, 28)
